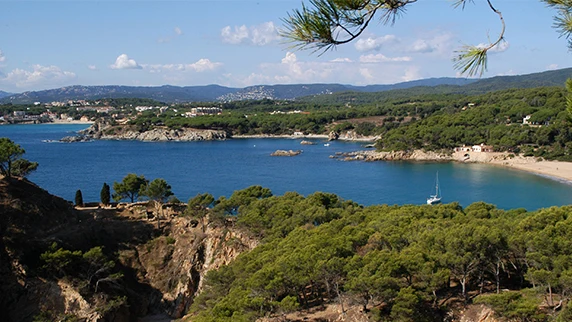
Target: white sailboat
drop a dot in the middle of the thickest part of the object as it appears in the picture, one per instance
(436, 198)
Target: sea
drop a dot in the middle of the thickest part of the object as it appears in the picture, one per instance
(221, 167)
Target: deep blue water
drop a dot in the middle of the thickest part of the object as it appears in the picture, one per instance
(222, 167)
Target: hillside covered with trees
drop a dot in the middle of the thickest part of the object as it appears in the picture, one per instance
(400, 263)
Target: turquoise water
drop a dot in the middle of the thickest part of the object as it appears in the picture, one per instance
(222, 167)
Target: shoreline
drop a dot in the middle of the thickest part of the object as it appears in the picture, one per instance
(554, 170)
(303, 137)
(70, 122)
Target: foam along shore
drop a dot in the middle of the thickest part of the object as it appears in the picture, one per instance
(553, 169)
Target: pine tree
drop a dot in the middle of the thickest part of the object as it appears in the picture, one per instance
(105, 194)
(78, 198)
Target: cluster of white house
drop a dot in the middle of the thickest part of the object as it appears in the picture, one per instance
(475, 148)
(197, 111)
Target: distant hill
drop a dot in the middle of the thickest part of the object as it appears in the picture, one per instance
(4, 94)
(164, 93)
(169, 94)
(430, 82)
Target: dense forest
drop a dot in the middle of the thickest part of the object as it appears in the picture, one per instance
(400, 263)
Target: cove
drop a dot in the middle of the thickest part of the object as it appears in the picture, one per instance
(221, 167)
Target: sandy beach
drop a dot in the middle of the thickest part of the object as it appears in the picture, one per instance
(557, 170)
(553, 169)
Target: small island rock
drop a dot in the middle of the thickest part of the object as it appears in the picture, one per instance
(284, 153)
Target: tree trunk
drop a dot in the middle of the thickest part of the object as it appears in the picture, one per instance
(481, 280)
(464, 288)
(497, 276)
(337, 288)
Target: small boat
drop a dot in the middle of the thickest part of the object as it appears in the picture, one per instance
(436, 198)
(326, 144)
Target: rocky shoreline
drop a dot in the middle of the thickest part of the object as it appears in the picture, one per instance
(105, 131)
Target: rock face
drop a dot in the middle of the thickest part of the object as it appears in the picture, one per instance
(103, 130)
(284, 153)
(175, 264)
(333, 136)
(162, 268)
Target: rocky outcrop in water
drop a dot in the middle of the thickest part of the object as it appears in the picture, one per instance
(285, 153)
(76, 138)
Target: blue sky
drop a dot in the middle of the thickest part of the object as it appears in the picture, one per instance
(50, 44)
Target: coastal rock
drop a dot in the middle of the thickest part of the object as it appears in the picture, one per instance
(333, 136)
(75, 138)
(104, 130)
(284, 153)
(417, 155)
(304, 142)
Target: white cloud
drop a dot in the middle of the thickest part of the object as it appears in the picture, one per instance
(124, 62)
(292, 69)
(202, 65)
(367, 44)
(499, 48)
(91, 67)
(290, 58)
(433, 42)
(341, 60)
(38, 76)
(552, 67)
(381, 58)
(178, 31)
(421, 46)
(259, 35)
(411, 73)
(2, 57)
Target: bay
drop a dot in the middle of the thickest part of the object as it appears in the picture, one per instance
(221, 167)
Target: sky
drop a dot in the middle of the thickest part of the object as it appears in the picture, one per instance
(235, 43)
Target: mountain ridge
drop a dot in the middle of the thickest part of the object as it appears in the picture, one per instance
(209, 93)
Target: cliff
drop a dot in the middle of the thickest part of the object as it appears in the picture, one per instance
(154, 271)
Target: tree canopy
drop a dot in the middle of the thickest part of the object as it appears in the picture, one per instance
(129, 188)
(11, 161)
(400, 263)
(157, 190)
(328, 23)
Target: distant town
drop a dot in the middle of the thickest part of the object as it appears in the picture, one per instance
(86, 111)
